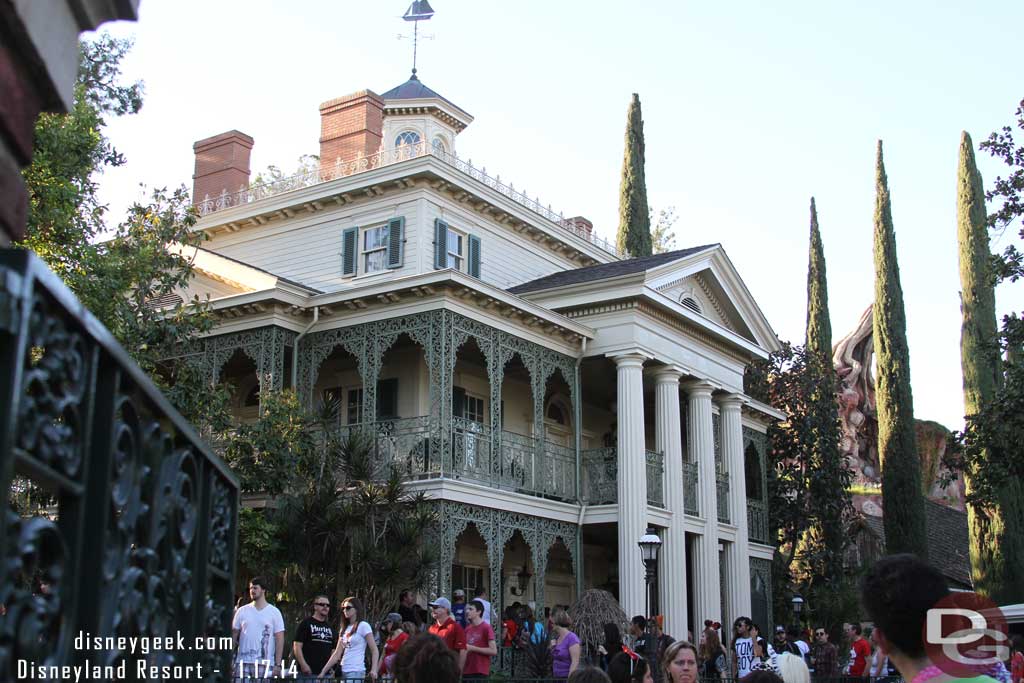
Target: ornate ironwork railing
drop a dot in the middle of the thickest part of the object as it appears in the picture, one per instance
(521, 465)
(757, 521)
(342, 169)
(722, 495)
(691, 505)
(119, 521)
(600, 474)
(655, 478)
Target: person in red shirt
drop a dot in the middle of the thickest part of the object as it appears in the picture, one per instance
(448, 630)
(509, 628)
(480, 642)
(394, 637)
(860, 651)
(1017, 659)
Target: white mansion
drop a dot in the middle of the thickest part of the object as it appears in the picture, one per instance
(555, 399)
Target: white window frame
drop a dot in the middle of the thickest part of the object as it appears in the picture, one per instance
(483, 409)
(456, 260)
(365, 253)
(403, 134)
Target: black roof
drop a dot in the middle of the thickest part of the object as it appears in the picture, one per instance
(413, 89)
(948, 541)
(604, 271)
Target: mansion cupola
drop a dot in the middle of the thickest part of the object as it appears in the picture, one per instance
(414, 113)
(365, 123)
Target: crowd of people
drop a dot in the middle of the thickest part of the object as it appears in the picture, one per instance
(457, 642)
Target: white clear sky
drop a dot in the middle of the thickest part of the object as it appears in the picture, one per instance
(750, 108)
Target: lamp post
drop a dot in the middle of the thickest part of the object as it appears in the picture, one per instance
(649, 544)
(798, 608)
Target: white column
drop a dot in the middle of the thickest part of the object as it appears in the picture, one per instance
(707, 588)
(668, 440)
(738, 578)
(632, 483)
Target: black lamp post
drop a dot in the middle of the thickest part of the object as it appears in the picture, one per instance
(798, 608)
(649, 544)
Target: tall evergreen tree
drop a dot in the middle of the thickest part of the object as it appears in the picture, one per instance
(997, 556)
(829, 478)
(903, 501)
(634, 235)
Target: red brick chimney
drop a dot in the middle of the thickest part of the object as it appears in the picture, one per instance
(222, 163)
(350, 127)
(582, 224)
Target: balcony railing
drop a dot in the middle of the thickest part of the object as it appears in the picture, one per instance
(110, 496)
(521, 466)
(722, 495)
(691, 505)
(343, 169)
(757, 521)
(655, 479)
(600, 474)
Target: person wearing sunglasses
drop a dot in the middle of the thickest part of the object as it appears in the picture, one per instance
(315, 638)
(355, 640)
(824, 655)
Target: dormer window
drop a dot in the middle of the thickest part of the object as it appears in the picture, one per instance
(408, 137)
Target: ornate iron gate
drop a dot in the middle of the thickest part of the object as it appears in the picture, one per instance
(119, 521)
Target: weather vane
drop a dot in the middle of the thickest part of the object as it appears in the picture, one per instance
(418, 11)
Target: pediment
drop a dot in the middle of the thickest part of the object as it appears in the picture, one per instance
(713, 286)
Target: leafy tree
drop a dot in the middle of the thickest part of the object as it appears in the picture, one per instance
(634, 235)
(903, 512)
(129, 279)
(824, 545)
(340, 520)
(663, 237)
(803, 495)
(308, 165)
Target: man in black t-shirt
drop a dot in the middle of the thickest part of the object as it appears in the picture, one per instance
(314, 638)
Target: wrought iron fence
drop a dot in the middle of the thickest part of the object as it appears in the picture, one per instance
(119, 520)
(342, 169)
(757, 521)
(600, 474)
(691, 505)
(722, 496)
(655, 478)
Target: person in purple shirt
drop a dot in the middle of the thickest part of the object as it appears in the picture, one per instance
(565, 645)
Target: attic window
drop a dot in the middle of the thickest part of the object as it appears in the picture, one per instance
(692, 304)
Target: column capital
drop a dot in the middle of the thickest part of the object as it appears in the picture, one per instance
(668, 374)
(629, 359)
(731, 401)
(699, 387)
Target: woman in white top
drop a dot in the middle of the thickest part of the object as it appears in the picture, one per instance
(356, 637)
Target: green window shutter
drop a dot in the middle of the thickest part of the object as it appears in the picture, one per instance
(396, 238)
(474, 256)
(440, 244)
(349, 251)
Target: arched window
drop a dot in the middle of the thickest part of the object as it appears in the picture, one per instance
(439, 146)
(408, 137)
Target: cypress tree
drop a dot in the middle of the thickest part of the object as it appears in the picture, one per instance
(634, 235)
(997, 563)
(903, 501)
(830, 478)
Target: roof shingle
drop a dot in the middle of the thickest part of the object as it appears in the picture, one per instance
(604, 271)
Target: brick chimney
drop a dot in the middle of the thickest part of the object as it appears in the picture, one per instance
(350, 127)
(581, 224)
(222, 163)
